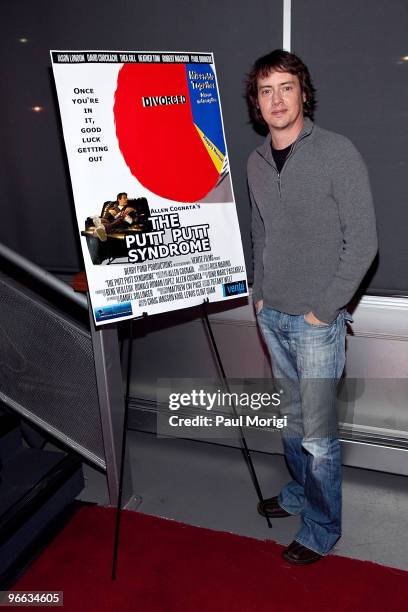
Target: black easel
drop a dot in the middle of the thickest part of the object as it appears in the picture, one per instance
(244, 445)
(123, 451)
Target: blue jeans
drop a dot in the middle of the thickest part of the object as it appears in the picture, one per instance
(307, 361)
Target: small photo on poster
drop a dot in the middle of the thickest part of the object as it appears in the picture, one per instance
(106, 231)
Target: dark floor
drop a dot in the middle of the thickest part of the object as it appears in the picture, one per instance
(209, 485)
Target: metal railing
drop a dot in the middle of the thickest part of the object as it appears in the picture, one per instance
(56, 373)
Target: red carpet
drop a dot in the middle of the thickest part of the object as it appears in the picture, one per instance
(170, 567)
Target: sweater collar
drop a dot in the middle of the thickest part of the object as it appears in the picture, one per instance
(265, 148)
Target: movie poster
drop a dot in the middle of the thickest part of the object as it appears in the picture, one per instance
(151, 181)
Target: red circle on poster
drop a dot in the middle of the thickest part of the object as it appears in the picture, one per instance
(156, 133)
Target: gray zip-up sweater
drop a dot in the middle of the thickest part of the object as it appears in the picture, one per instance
(313, 225)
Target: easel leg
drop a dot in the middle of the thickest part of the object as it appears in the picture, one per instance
(123, 454)
(244, 445)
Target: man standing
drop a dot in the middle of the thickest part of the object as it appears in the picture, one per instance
(314, 237)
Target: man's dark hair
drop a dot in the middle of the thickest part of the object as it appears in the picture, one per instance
(279, 61)
(120, 195)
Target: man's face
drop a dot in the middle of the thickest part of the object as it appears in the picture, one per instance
(122, 201)
(280, 100)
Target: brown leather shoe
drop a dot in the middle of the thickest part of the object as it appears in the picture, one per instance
(297, 554)
(271, 508)
(292, 546)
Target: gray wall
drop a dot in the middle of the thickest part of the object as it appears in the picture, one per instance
(36, 177)
(354, 52)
